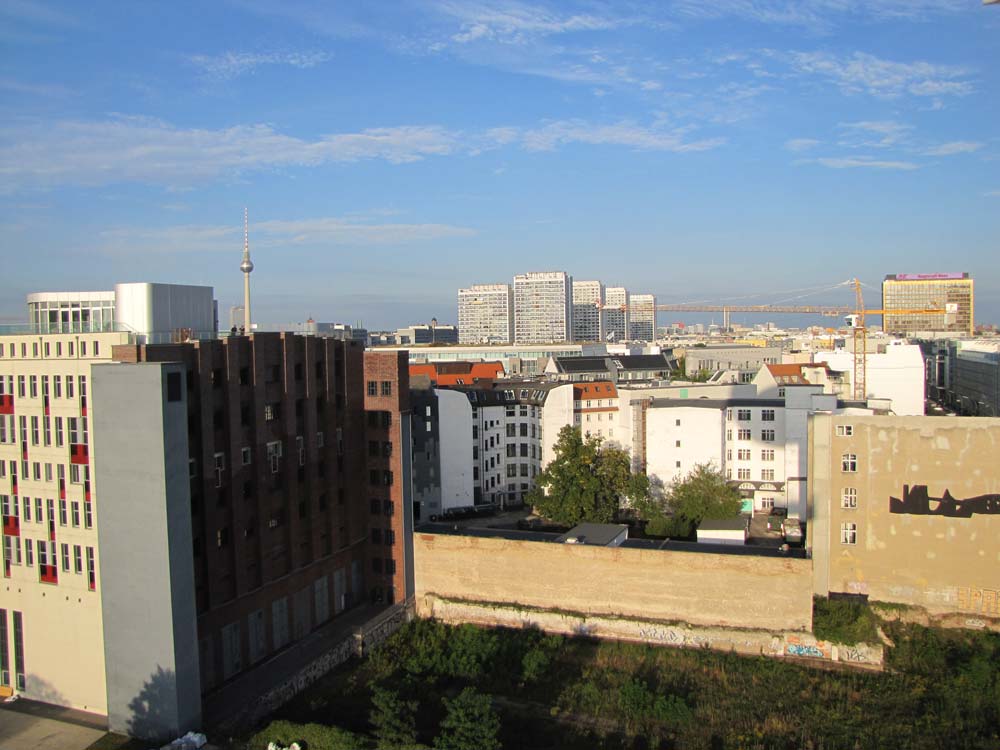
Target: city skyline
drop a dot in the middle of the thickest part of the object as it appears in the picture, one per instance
(697, 153)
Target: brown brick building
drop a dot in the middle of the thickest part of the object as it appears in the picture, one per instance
(285, 530)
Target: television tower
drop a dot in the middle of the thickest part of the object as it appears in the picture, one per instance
(246, 267)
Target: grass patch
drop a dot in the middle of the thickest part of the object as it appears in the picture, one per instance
(845, 621)
(312, 736)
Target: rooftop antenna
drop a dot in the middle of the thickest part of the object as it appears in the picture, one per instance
(246, 267)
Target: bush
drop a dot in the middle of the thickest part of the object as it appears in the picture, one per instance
(471, 722)
(844, 621)
(311, 736)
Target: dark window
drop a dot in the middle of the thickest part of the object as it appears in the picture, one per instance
(374, 477)
(373, 447)
(386, 449)
(386, 418)
(376, 536)
(322, 501)
(390, 566)
(377, 564)
(173, 386)
(298, 407)
(244, 376)
(387, 478)
(319, 369)
(386, 387)
(217, 419)
(388, 507)
(340, 496)
(216, 378)
(372, 387)
(524, 450)
(373, 419)
(303, 509)
(375, 505)
(298, 371)
(524, 429)
(390, 537)
(244, 415)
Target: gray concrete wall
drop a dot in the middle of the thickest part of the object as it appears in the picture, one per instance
(144, 529)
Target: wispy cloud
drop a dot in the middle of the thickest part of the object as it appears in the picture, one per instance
(317, 233)
(992, 194)
(231, 65)
(873, 133)
(862, 73)
(862, 162)
(129, 149)
(623, 133)
(518, 23)
(954, 147)
(817, 15)
(801, 144)
(143, 150)
(27, 11)
(34, 89)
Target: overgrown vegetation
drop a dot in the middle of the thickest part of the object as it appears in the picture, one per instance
(475, 687)
(844, 621)
(700, 494)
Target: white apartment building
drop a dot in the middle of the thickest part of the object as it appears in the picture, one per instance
(50, 545)
(642, 325)
(588, 303)
(543, 310)
(894, 371)
(486, 314)
(616, 313)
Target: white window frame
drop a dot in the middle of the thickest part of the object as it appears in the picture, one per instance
(849, 498)
(848, 533)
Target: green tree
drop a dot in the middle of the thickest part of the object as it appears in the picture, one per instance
(585, 481)
(394, 719)
(470, 722)
(703, 493)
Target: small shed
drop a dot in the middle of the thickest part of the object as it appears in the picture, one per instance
(723, 530)
(596, 534)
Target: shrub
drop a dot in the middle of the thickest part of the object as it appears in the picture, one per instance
(471, 722)
(844, 621)
(311, 736)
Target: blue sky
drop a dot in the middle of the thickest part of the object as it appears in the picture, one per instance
(390, 153)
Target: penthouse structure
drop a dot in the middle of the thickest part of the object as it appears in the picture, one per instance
(543, 311)
(486, 314)
(588, 304)
(952, 292)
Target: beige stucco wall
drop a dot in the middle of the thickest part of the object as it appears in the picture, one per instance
(700, 588)
(942, 563)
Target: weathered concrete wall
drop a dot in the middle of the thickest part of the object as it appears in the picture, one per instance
(915, 519)
(740, 640)
(744, 591)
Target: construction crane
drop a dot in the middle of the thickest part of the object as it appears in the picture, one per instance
(854, 317)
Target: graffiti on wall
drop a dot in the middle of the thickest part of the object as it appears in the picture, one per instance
(983, 601)
(917, 502)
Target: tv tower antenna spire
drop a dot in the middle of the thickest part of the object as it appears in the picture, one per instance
(246, 267)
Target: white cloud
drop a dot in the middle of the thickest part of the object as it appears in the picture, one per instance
(130, 149)
(954, 147)
(992, 194)
(144, 150)
(854, 162)
(801, 144)
(818, 15)
(862, 73)
(321, 232)
(625, 133)
(231, 65)
(517, 23)
(874, 133)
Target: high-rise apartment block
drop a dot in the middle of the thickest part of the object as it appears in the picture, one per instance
(952, 292)
(616, 313)
(588, 303)
(486, 314)
(642, 326)
(543, 310)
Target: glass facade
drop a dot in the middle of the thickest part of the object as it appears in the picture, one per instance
(955, 294)
(86, 312)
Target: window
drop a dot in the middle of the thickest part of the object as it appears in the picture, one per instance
(767, 436)
(372, 388)
(65, 557)
(848, 533)
(77, 559)
(743, 415)
(320, 441)
(677, 423)
(386, 387)
(274, 455)
(845, 430)
(62, 513)
(767, 454)
(300, 446)
(220, 466)
(767, 415)
(849, 497)
(33, 386)
(245, 456)
(270, 412)
(91, 574)
(729, 415)
(767, 475)
(57, 386)
(849, 463)
(781, 393)
(743, 435)
(29, 553)
(729, 454)
(88, 516)
(59, 432)
(75, 514)
(743, 473)
(743, 454)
